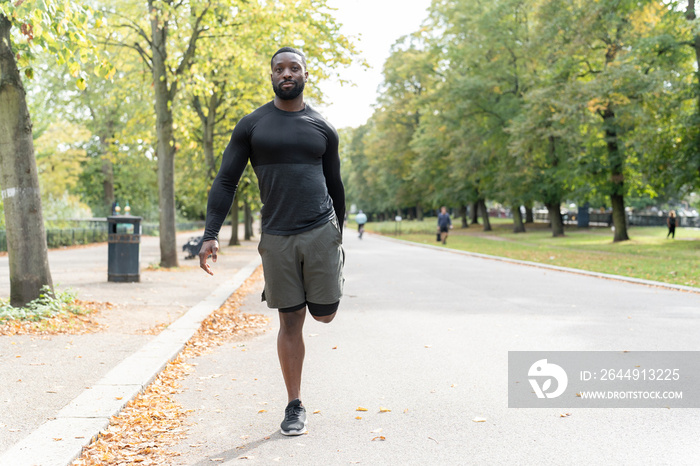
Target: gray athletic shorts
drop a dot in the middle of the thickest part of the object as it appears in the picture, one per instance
(303, 268)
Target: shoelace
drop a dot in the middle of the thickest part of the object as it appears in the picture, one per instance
(293, 411)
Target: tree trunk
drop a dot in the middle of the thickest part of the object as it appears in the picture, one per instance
(518, 226)
(166, 145)
(691, 16)
(106, 136)
(474, 212)
(419, 212)
(484, 215)
(208, 125)
(108, 183)
(555, 218)
(463, 212)
(24, 222)
(529, 218)
(234, 241)
(248, 219)
(617, 178)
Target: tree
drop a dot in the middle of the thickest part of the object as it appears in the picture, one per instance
(62, 29)
(622, 56)
(166, 39)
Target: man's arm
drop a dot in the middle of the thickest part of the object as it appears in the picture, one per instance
(331, 170)
(222, 192)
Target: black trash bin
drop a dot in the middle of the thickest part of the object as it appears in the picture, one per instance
(123, 251)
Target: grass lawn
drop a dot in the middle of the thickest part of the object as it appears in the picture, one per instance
(647, 255)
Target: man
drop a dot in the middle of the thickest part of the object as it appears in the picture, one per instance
(361, 219)
(444, 224)
(294, 153)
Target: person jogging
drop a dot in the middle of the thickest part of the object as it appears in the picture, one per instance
(444, 224)
(294, 153)
(361, 219)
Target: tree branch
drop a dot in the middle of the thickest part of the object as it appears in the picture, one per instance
(191, 47)
(133, 26)
(148, 60)
(189, 53)
(198, 108)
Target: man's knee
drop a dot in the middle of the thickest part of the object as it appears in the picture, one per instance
(323, 312)
(325, 319)
(292, 318)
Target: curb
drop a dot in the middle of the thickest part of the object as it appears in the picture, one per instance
(79, 422)
(606, 276)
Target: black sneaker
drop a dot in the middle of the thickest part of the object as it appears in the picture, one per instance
(294, 419)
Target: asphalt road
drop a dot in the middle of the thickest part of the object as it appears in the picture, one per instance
(426, 334)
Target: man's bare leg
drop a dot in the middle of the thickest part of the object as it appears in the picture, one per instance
(291, 350)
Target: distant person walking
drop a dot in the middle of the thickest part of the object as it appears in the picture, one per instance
(444, 224)
(361, 219)
(671, 222)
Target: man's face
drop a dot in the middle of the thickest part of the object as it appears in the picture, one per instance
(288, 75)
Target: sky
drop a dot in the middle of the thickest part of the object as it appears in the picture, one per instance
(375, 25)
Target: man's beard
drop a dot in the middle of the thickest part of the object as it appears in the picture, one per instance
(288, 94)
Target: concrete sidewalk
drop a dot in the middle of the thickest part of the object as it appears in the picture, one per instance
(42, 375)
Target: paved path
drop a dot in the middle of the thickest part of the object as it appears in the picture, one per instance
(40, 375)
(426, 334)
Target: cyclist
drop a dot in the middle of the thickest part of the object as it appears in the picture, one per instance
(361, 219)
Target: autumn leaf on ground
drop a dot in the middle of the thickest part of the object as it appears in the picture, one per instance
(384, 410)
(141, 433)
(360, 408)
(262, 411)
(479, 419)
(375, 431)
(565, 415)
(358, 417)
(381, 438)
(318, 411)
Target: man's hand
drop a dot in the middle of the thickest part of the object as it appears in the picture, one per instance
(209, 248)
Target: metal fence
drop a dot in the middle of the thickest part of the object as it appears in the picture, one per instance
(605, 219)
(93, 231)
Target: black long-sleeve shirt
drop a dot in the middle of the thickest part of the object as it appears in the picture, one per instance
(295, 156)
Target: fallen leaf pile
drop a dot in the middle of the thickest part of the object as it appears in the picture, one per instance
(155, 330)
(64, 323)
(150, 423)
(145, 426)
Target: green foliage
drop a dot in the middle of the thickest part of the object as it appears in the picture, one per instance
(47, 305)
(104, 133)
(534, 101)
(63, 29)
